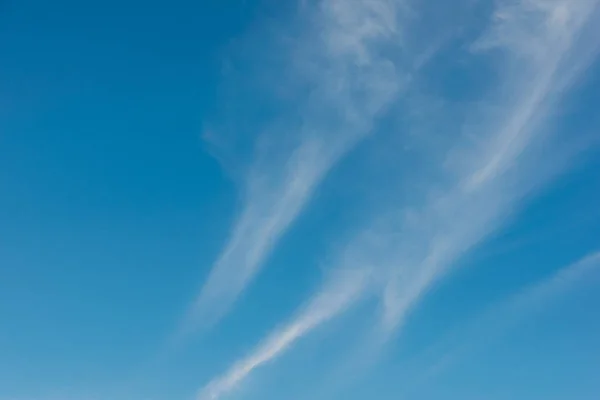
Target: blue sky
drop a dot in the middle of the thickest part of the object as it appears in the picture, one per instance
(319, 199)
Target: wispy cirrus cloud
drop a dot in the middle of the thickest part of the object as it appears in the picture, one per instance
(350, 81)
(542, 48)
(501, 317)
(346, 288)
(538, 43)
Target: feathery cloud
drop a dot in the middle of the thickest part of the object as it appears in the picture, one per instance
(534, 38)
(353, 81)
(345, 289)
(542, 50)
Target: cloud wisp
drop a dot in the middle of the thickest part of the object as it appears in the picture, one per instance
(504, 316)
(543, 49)
(352, 82)
(540, 44)
(351, 281)
(345, 289)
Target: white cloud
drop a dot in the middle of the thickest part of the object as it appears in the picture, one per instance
(406, 250)
(353, 82)
(535, 38)
(345, 289)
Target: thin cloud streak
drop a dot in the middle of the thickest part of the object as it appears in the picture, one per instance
(500, 318)
(353, 83)
(333, 299)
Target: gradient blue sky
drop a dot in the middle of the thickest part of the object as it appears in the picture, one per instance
(319, 199)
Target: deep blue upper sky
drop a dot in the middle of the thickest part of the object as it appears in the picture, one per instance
(317, 199)
(106, 188)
